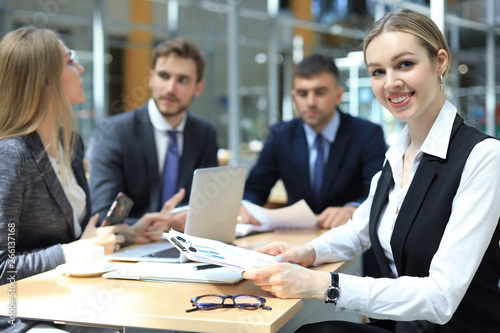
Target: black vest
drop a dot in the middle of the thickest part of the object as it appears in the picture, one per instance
(419, 228)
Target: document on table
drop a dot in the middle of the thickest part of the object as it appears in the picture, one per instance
(175, 272)
(215, 252)
(298, 215)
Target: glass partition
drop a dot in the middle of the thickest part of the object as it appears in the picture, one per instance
(332, 27)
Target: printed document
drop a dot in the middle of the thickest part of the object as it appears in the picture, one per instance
(215, 252)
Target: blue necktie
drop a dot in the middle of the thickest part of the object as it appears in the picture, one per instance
(319, 165)
(171, 168)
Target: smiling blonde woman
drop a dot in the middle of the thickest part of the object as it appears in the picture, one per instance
(432, 216)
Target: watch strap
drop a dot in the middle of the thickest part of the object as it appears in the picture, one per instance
(335, 279)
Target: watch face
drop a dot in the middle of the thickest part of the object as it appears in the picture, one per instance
(333, 293)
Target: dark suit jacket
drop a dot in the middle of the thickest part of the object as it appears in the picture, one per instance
(35, 214)
(122, 158)
(419, 228)
(355, 156)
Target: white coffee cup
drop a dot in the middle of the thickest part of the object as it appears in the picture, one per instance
(85, 258)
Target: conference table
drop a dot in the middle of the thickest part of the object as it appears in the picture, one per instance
(129, 305)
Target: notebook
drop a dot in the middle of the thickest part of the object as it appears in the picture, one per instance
(214, 205)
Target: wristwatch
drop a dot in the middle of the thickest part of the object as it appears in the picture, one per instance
(332, 294)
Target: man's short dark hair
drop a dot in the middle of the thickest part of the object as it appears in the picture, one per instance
(316, 64)
(182, 48)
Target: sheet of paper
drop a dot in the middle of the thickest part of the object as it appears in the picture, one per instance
(298, 215)
(215, 252)
(243, 229)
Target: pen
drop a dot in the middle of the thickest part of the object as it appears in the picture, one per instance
(207, 266)
(179, 209)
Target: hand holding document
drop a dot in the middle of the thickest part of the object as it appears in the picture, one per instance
(215, 252)
(298, 215)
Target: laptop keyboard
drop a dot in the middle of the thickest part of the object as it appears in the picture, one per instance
(168, 253)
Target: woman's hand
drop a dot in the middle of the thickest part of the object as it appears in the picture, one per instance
(108, 237)
(286, 280)
(285, 252)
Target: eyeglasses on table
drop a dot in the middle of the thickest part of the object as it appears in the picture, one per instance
(214, 301)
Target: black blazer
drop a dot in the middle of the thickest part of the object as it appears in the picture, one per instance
(355, 156)
(122, 158)
(419, 228)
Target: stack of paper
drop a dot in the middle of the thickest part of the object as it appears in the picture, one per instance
(215, 252)
(175, 272)
(298, 215)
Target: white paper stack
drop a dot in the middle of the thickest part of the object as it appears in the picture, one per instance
(175, 272)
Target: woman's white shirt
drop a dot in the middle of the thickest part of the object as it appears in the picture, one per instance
(474, 217)
(74, 193)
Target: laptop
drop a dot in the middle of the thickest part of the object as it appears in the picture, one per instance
(214, 205)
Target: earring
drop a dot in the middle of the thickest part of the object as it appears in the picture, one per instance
(441, 81)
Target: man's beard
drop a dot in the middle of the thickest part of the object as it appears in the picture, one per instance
(176, 113)
(182, 109)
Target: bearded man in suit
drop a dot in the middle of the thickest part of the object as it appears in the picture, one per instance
(130, 152)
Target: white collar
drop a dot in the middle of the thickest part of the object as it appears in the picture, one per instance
(437, 140)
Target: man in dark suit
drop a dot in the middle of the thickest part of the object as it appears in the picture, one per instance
(132, 152)
(351, 150)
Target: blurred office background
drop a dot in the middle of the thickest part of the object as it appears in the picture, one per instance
(251, 47)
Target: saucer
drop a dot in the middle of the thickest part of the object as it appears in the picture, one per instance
(70, 270)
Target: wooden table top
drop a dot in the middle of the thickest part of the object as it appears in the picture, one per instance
(126, 303)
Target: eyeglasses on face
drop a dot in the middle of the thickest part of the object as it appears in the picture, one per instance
(73, 55)
(242, 301)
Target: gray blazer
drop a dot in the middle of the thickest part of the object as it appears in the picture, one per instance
(35, 215)
(123, 158)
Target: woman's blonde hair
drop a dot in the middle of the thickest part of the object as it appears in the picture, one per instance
(31, 66)
(419, 25)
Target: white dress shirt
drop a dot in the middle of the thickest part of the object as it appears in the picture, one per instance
(474, 217)
(161, 128)
(74, 193)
